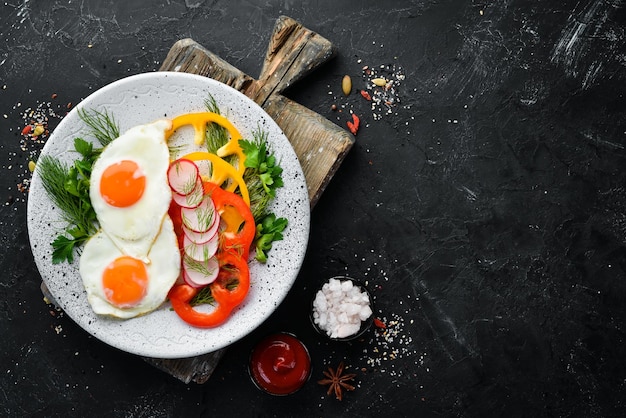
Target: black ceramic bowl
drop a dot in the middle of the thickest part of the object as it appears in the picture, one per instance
(365, 325)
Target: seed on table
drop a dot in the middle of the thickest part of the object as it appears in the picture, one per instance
(379, 82)
(346, 85)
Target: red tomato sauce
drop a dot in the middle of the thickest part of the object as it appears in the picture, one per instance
(280, 364)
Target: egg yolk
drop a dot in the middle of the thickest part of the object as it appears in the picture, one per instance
(125, 281)
(122, 184)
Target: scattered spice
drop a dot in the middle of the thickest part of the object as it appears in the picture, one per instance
(383, 83)
(337, 381)
(391, 343)
(366, 95)
(33, 132)
(379, 324)
(354, 124)
(39, 129)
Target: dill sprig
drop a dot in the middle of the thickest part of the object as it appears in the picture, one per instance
(205, 297)
(216, 135)
(102, 125)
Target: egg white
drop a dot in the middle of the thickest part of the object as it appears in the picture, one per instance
(163, 270)
(134, 228)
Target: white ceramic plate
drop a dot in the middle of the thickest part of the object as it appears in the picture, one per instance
(138, 100)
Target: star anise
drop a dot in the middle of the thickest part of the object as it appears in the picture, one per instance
(337, 381)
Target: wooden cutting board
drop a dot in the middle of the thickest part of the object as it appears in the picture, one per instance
(320, 145)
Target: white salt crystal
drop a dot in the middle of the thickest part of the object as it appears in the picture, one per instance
(339, 307)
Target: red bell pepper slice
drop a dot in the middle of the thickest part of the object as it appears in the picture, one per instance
(232, 267)
(240, 227)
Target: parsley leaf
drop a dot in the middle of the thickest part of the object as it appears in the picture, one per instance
(83, 147)
(267, 231)
(262, 163)
(63, 249)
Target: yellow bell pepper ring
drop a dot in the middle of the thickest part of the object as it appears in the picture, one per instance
(222, 171)
(199, 122)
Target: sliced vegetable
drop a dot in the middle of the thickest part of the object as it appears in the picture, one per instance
(202, 237)
(200, 273)
(232, 269)
(201, 251)
(236, 217)
(183, 176)
(191, 200)
(223, 174)
(199, 123)
(200, 218)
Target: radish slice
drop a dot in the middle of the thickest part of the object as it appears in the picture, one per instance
(200, 273)
(190, 282)
(200, 218)
(203, 251)
(202, 237)
(182, 176)
(191, 200)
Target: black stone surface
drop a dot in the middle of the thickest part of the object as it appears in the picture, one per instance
(486, 211)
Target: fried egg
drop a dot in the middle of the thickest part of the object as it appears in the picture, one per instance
(129, 190)
(123, 286)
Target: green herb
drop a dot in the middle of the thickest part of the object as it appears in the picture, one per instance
(101, 125)
(216, 135)
(267, 231)
(205, 297)
(263, 174)
(68, 187)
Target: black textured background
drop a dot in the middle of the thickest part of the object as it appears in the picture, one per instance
(486, 212)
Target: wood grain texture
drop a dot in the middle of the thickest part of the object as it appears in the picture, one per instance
(188, 56)
(294, 51)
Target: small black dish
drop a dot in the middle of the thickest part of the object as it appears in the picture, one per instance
(365, 325)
